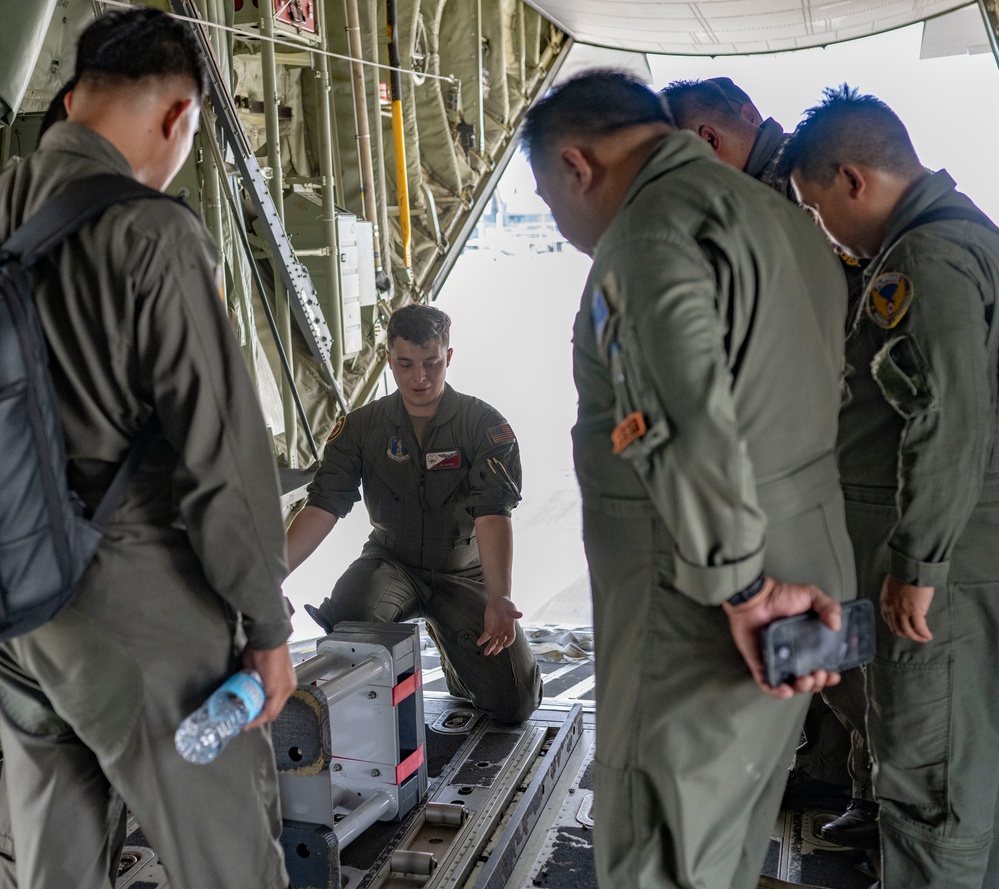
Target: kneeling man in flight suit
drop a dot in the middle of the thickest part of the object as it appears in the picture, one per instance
(440, 473)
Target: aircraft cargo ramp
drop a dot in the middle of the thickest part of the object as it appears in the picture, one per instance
(527, 794)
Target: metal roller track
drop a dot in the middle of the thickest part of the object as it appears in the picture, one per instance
(501, 813)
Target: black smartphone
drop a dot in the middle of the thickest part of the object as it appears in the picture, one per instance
(795, 646)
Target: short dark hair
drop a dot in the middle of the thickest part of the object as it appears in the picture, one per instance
(125, 46)
(691, 100)
(419, 324)
(848, 128)
(733, 92)
(595, 102)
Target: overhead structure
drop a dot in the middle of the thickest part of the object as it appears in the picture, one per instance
(350, 146)
(722, 27)
(339, 171)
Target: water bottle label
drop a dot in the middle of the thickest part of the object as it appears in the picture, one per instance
(245, 686)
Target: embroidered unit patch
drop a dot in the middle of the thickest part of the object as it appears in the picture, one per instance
(397, 450)
(338, 427)
(888, 299)
(444, 459)
(501, 434)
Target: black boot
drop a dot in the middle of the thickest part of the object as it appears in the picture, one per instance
(857, 827)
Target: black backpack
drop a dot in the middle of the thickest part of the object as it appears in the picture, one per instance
(45, 541)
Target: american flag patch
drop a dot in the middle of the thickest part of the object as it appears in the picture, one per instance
(501, 434)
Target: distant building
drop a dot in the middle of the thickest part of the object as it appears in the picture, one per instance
(516, 220)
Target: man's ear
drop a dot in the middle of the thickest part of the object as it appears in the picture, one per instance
(856, 178)
(447, 357)
(748, 111)
(710, 135)
(580, 167)
(173, 115)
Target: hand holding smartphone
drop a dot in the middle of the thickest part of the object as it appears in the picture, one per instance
(796, 646)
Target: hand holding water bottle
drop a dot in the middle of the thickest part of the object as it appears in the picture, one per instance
(206, 732)
(245, 701)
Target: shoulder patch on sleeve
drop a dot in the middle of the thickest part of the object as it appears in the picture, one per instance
(888, 299)
(220, 280)
(599, 314)
(338, 427)
(501, 434)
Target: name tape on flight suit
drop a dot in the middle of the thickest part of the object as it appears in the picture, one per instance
(888, 299)
(444, 459)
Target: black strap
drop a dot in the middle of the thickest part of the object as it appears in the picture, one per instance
(942, 214)
(116, 490)
(63, 214)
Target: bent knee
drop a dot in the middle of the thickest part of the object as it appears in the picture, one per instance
(516, 704)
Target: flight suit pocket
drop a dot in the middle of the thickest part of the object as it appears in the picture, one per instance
(384, 498)
(904, 377)
(910, 711)
(642, 423)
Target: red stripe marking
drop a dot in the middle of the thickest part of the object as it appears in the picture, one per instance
(409, 765)
(405, 688)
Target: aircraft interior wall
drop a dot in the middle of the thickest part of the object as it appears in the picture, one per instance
(469, 70)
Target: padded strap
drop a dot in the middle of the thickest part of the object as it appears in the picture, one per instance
(65, 213)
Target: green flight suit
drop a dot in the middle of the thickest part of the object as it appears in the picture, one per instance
(722, 335)
(91, 699)
(835, 747)
(764, 161)
(422, 558)
(920, 472)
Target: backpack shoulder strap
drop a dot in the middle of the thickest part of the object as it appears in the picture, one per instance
(116, 490)
(65, 213)
(941, 214)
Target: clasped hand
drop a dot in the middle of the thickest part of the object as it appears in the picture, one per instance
(775, 601)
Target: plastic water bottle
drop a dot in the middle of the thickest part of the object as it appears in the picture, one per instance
(206, 732)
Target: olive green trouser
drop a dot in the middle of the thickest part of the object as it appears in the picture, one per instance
(378, 587)
(8, 878)
(836, 736)
(91, 701)
(934, 710)
(691, 756)
(824, 753)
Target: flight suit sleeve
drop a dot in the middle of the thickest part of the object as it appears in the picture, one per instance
(665, 347)
(495, 475)
(934, 370)
(226, 479)
(337, 482)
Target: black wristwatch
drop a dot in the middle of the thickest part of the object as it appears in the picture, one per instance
(744, 595)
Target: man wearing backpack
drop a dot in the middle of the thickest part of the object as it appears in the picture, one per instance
(919, 461)
(185, 586)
